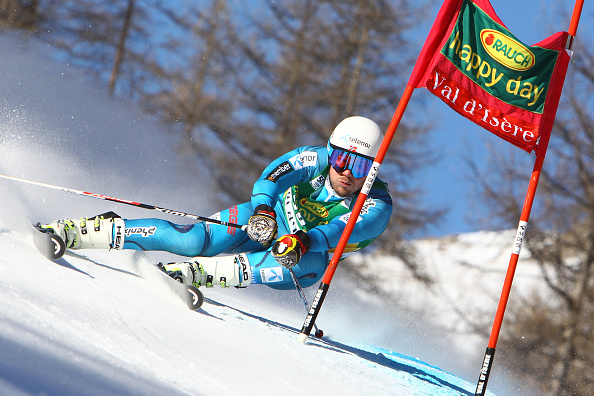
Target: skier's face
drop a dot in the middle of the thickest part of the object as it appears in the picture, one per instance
(344, 183)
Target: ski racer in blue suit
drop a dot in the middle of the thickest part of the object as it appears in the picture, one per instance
(305, 197)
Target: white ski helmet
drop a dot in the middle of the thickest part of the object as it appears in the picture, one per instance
(358, 135)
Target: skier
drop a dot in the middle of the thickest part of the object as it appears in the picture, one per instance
(305, 196)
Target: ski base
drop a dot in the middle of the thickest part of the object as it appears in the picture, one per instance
(48, 243)
(190, 294)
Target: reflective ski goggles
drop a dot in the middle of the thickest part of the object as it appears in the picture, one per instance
(342, 160)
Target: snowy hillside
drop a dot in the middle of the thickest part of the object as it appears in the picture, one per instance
(105, 323)
(468, 270)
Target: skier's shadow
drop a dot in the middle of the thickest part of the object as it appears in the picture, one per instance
(377, 358)
(64, 263)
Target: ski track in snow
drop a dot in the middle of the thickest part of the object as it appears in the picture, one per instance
(105, 323)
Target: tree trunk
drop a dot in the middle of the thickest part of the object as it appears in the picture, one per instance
(121, 48)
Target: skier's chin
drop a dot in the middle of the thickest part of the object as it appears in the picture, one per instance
(344, 191)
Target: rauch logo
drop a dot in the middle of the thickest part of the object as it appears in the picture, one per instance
(506, 50)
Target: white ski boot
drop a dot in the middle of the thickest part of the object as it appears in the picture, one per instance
(105, 231)
(224, 271)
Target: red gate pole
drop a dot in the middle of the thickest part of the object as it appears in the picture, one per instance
(485, 371)
(323, 289)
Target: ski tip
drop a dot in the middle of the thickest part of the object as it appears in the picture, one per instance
(194, 297)
(55, 248)
(49, 244)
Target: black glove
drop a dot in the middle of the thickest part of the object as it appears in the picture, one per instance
(288, 249)
(262, 225)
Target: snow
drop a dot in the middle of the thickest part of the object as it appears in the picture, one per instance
(106, 323)
(469, 269)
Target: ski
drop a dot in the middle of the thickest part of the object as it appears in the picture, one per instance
(53, 247)
(48, 243)
(190, 294)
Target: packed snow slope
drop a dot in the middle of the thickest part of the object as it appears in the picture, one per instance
(106, 323)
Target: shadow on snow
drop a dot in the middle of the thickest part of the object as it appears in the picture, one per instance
(377, 358)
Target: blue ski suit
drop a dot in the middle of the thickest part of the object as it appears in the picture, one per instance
(297, 186)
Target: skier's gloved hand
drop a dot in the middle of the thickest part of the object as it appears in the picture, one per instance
(288, 249)
(262, 225)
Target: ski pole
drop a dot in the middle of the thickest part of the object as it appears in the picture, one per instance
(123, 201)
(319, 333)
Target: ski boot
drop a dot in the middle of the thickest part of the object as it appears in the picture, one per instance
(224, 271)
(104, 231)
